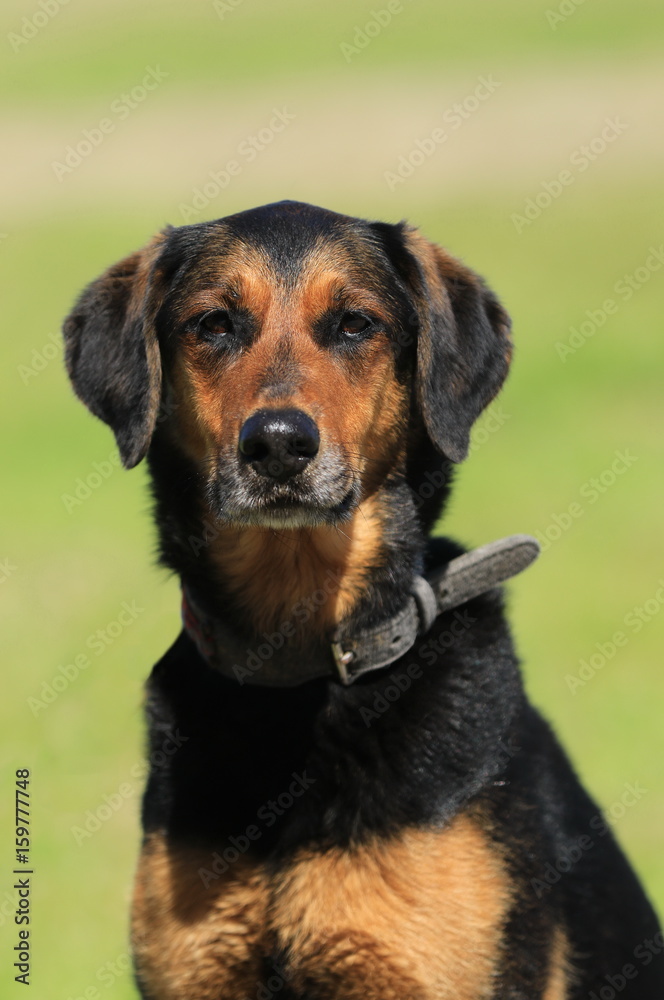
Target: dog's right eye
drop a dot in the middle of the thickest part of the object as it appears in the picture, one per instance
(354, 325)
(217, 323)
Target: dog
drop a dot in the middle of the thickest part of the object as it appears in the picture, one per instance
(350, 795)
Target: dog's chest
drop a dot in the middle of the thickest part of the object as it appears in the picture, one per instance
(417, 917)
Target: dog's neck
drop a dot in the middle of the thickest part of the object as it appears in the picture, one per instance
(261, 577)
(316, 575)
(316, 578)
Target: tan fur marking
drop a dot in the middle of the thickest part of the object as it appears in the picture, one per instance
(328, 281)
(418, 917)
(559, 969)
(322, 569)
(191, 942)
(143, 303)
(436, 265)
(442, 272)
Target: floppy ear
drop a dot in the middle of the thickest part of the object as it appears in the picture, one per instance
(463, 345)
(112, 354)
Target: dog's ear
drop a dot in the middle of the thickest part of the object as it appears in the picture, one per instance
(112, 354)
(463, 337)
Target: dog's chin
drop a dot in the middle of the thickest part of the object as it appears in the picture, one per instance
(289, 516)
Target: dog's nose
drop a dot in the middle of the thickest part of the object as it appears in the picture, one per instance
(279, 443)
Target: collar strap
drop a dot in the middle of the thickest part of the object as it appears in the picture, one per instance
(274, 662)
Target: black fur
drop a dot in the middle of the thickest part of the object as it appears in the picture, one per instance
(463, 735)
(465, 358)
(107, 344)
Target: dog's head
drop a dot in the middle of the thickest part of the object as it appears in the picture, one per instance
(296, 350)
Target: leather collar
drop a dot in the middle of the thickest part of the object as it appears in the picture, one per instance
(274, 662)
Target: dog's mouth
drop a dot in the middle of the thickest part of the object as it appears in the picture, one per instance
(289, 514)
(326, 496)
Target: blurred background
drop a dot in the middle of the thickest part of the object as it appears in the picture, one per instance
(524, 136)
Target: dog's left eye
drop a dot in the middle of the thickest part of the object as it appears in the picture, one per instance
(217, 323)
(354, 325)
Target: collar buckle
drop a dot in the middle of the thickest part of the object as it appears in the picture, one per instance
(342, 659)
(447, 586)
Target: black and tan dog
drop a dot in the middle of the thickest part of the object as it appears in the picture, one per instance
(363, 805)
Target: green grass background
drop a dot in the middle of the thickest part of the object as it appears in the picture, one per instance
(563, 421)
